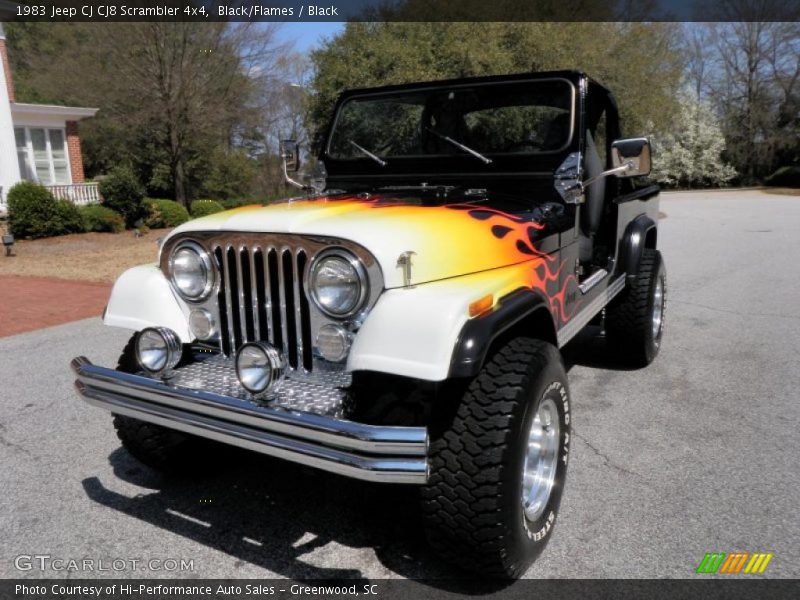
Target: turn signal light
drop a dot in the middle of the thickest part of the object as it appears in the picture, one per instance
(481, 305)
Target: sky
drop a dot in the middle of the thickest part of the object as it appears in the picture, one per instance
(307, 36)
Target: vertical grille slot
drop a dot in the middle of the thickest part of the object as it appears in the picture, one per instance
(262, 309)
(223, 303)
(236, 310)
(245, 285)
(305, 314)
(287, 272)
(262, 296)
(275, 295)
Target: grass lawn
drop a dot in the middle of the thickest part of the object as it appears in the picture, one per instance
(100, 257)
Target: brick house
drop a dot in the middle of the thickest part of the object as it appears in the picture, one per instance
(40, 142)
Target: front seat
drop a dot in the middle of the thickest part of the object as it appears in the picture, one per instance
(592, 208)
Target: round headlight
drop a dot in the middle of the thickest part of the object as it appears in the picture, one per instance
(338, 283)
(191, 271)
(158, 350)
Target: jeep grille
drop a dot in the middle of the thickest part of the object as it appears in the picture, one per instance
(262, 298)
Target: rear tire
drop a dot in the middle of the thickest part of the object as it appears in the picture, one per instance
(635, 319)
(158, 447)
(474, 505)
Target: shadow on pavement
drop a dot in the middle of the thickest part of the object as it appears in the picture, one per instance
(271, 514)
(589, 349)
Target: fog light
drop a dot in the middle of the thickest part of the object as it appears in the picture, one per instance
(333, 342)
(260, 368)
(158, 350)
(202, 324)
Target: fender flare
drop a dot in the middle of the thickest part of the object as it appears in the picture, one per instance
(478, 334)
(633, 244)
(142, 297)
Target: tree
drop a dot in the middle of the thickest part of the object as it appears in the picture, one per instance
(690, 154)
(170, 93)
(755, 84)
(641, 62)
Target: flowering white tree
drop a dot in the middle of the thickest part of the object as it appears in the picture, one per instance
(690, 155)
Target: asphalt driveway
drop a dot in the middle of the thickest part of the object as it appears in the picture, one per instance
(697, 453)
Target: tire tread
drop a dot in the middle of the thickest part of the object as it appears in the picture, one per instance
(462, 502)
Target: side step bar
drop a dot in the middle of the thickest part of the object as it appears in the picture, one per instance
(369, 452)
(580, 320)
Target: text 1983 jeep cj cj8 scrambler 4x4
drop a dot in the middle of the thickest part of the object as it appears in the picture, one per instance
(400, 322)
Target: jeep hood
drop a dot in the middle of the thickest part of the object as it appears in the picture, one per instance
(447, 241)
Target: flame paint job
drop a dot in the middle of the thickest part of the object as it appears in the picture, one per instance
(449, 240)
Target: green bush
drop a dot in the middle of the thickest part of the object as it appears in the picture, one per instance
(229, 204)
(201, 208)
(69, 218)
(123, 193)
(164, 213)
(101, 218)
(785, 177)
(32, 211)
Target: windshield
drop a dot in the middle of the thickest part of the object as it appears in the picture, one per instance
(526, 117)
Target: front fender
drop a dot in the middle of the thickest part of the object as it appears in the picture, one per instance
(413, 331)
(142, 297)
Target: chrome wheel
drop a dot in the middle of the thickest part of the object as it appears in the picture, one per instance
(658, 308)
(541, 460)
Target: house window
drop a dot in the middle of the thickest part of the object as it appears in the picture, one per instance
(42, 155)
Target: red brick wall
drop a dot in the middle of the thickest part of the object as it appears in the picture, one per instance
(7, 69)
(74, 149)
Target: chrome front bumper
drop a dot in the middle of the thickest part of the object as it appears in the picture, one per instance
(369, 452)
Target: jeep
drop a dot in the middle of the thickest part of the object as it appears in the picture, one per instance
(400, 320)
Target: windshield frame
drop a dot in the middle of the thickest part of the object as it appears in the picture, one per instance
(432, 88)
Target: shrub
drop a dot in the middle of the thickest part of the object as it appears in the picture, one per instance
(164, 213)
(123, 193)
(32, 211)
(101, 218)
(690, 154)
(201, 208)
(229, 204)
(69, 218)
(785, 177)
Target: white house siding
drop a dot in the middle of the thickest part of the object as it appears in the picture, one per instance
(9, 166)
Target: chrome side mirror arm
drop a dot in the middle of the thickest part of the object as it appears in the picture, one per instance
(291, 181)
(624, 168)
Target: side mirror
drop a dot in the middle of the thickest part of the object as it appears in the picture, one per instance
(631, 156)
(290, 153)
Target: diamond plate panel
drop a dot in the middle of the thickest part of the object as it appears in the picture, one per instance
(321, 393)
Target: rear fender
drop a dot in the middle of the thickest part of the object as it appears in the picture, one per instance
(639, 234)
(142, 297)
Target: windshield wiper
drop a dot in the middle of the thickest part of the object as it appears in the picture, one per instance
(366, 152)
(461, 146)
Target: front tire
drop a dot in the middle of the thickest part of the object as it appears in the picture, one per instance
(158, 447)
(482, 508)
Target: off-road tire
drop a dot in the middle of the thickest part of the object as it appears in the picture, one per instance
(158, 447)
(472, 505)
(629, 317)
